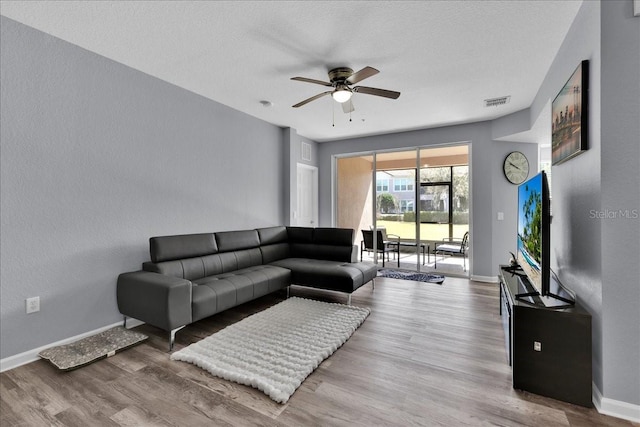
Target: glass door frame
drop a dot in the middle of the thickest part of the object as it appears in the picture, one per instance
(416, 193)
(417, 187)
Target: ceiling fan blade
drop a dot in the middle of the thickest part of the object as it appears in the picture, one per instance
(313, 98)
(318, 82)
(377, 92)
(358, 76)
(347, 107)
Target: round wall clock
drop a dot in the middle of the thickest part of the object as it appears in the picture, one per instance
(516, 167)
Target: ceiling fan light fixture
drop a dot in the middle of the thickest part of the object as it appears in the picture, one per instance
(341, 95)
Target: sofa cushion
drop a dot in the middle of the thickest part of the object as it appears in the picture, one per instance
(274, 252)
(300, 234)
(167, 248)
(237, 260)
(214, 294)
(331, 275)
(324, 252)
(333, 236)
(236, 240)
(272, 235)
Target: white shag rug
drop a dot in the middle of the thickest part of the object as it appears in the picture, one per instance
(276, 349)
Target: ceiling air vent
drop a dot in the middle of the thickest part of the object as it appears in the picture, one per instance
(494, 102)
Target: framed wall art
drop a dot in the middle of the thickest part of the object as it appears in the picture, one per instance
(569, 116)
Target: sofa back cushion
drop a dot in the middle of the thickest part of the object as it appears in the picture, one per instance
(193, 256)
(334, 244)
(333, 236)
(167, 248)
(238, 249)
(228, 241)
(274, 243)
(273, 235)
(208, 265)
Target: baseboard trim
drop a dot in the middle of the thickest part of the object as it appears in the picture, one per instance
(487, 279)
(32, 355)
(615, 408)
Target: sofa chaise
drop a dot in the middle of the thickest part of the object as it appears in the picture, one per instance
(193, 276)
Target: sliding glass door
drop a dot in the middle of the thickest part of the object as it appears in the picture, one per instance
(417, 198)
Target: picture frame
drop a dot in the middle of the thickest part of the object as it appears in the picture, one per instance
(569, 117)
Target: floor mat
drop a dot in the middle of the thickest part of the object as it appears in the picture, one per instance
(407, 275)
(90, 349)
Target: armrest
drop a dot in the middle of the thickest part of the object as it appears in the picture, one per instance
(393, 242)
(162, 301)
(452, 240)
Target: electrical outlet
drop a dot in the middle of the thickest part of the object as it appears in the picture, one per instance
(537, 346)
(32, 305)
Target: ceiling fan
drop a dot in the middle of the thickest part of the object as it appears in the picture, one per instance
(341, 79)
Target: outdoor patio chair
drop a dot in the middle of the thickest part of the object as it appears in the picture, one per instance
(453, 246)
(383, 245)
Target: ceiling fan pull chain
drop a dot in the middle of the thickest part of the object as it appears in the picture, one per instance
(333, 114)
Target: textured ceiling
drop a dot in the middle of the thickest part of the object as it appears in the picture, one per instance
(445, 57)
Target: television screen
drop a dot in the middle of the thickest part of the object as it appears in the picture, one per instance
(533, 232)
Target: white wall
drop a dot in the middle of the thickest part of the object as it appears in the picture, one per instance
(95, 159)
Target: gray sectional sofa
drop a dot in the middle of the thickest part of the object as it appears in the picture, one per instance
(194, 276)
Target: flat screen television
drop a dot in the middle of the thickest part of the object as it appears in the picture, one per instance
(534, 233)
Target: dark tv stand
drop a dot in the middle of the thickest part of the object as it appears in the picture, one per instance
(548, 347)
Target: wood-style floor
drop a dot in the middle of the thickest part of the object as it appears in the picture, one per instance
(427, 355)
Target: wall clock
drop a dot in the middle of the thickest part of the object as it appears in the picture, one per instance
(516, 167)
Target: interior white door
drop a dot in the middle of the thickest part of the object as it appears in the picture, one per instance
(306, 214)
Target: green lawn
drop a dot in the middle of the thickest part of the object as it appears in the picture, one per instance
(428, 232)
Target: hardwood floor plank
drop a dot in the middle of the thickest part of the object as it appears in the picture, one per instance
(80, 417)
(249, 397)
(134, 416)
(427, 355)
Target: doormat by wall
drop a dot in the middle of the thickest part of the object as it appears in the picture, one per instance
(407, 275)
(90, 349)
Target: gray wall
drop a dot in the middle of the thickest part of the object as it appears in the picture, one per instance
(483, 171)
(599, 257)
(506, 196)
(620, 190)
(95, 159)
(576, 238)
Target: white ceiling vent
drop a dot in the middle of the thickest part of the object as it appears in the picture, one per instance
(494, 102)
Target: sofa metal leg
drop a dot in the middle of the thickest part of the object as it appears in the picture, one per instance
(124, 324)
(349, 300)
(172, 337)
(288, 287)
(373, 284)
